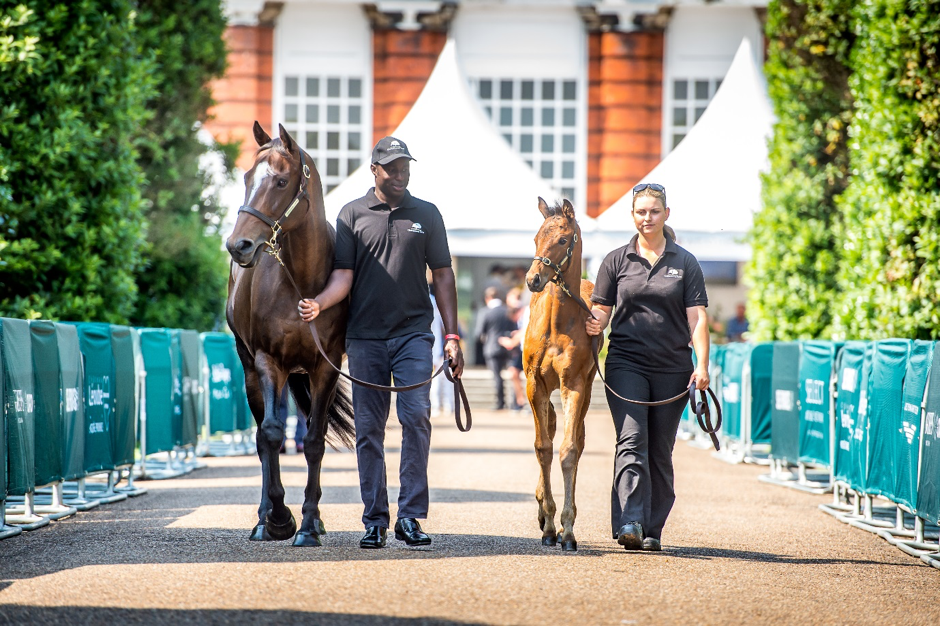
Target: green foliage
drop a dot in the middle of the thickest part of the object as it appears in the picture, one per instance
(792, 271)
(184, 282)
(889, 276)
(73, 85)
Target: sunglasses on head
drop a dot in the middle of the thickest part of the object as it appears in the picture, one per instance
(653, 186)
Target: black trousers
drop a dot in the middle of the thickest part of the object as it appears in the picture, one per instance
(496, 364)
(643, 487)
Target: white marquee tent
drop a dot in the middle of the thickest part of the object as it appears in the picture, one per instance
(712, 178)
(486, 193)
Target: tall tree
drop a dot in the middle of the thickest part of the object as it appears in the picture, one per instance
(184, 281)
(73, 84)
(795, 252)
(889, 275)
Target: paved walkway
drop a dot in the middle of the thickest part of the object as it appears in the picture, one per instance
(736, 550)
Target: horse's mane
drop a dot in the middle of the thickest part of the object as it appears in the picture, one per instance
(275, 145)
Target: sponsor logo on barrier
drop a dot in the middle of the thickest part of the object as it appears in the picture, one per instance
(911, 408)
(221, 374)
(731, 392)
(909, 430)
(71, 399)
(844, 445)
(929, 422)
(815, 391)
(96, 427)
(816, 417)
(859, 434)
(849, 378)
(783, 399)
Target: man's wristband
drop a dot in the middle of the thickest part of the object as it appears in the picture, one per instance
(449, 337)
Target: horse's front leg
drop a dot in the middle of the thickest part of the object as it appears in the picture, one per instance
(275, 521)
(311, 526)
(575, 400)
(544, 414)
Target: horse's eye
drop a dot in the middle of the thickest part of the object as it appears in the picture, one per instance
(563, 241)
(281, 183)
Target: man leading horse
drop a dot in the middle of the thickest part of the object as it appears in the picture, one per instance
(385, 240)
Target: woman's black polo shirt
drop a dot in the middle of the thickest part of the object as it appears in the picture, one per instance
(649, 330)
(389, 252)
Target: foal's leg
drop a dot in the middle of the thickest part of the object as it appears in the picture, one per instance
(575, 400)
(321, 395)
(278, 523)
(544, 414)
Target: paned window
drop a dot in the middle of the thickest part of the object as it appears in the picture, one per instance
(538, 118)
(690, 96)
(325, 114)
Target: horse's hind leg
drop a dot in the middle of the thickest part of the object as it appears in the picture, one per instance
(275, 521)
(576, 403)
(544, 414)
(311, 527)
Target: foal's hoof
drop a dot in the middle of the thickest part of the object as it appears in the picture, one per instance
(550, 540)
(279, 532)
(569, 546)
(259, 534)
(304, 539)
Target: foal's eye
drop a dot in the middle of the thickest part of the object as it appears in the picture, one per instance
(562, 241)
(281, 183)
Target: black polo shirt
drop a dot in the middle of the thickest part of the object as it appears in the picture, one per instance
(389, 252)
(650, 330)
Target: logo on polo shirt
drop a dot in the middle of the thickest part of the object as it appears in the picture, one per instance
(672, 272)
(416, 228)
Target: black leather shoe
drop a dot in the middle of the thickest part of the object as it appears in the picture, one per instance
(408, 529)
(631, 536)
(651, 544)
(374, 537)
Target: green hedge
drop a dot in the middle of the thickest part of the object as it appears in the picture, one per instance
(795, 253)
(889, 276)
(73, 88)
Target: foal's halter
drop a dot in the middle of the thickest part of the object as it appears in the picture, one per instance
(274, 247)
(700, 408)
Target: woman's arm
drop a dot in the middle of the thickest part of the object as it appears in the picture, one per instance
(698, 323)
(596, 325)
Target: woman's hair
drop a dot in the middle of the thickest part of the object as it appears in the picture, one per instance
(649, 191)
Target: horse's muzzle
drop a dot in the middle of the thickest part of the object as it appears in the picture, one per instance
(243, 251)
(535, 282)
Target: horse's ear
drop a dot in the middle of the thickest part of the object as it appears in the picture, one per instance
(544, 208)
(567, 210)
(260, 136)
(286, 139)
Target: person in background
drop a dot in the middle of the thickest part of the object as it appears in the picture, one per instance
(737, 325)
(519, 314)
(494, 323)
(301, 428)
(442, 398)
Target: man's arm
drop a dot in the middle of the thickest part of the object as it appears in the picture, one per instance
(445, 289)
(337, 289)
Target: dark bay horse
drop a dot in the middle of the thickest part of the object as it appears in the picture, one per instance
(557, 355)
(284, 211)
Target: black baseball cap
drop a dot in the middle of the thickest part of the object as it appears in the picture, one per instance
(388, 149)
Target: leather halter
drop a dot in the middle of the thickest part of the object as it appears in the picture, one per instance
(274, 247)
(699, 408)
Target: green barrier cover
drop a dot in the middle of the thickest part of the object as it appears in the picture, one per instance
(73, 411)
(785, 411)
(219, 349)
(908, 436)
(95, 343)
(762, 361)
(191, 360)
(849, 385)
(124, 416)
(48, 441)
(243, 418)
(3, 430)
(18, 405)
(732, 382)
(816, 368)
(176, 375)
(155, 346)
(716, 360)
(889, 363)
(859, 451)
(928, 485)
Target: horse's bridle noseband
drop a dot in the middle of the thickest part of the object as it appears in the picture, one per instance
(558, 279)
(274, 248)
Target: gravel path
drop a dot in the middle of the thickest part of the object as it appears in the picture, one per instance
(736, 550)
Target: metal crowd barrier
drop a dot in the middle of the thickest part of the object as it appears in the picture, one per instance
(88, 407)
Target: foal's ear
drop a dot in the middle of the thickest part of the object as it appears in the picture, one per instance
(260, 136)
(567, 210)
(544, 208)
(286, 139)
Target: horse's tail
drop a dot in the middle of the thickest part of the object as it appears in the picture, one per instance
(339, 415)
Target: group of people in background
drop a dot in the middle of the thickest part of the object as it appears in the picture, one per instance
(500, 329)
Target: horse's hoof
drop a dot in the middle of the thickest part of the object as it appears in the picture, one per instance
(259, 534)
(322, 528)
(279, 532)
(569, 546)
(304, 539)
(551, 540)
